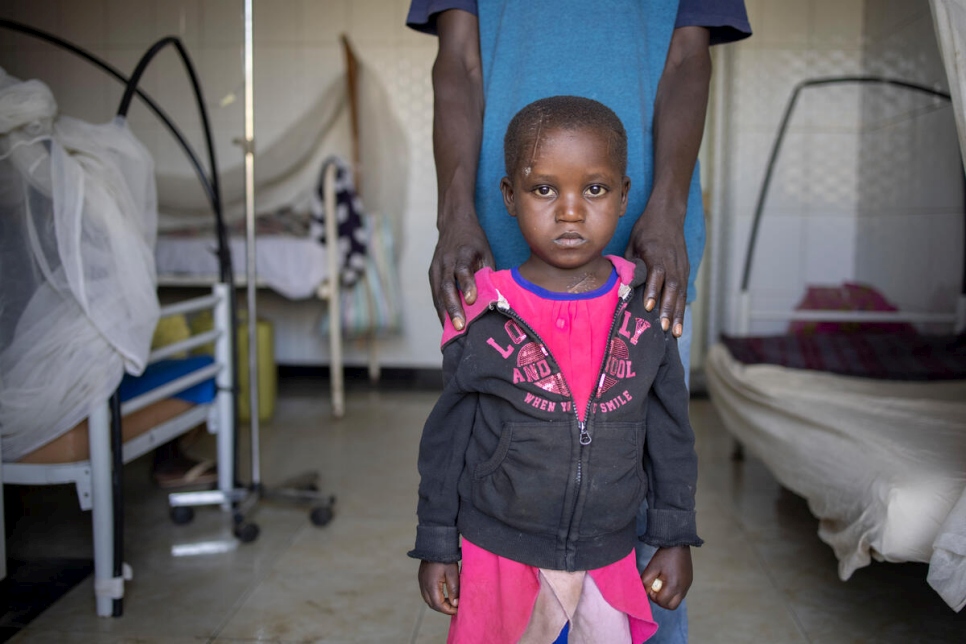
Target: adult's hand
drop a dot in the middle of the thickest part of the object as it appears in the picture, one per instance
(462, 250)
(659, 242)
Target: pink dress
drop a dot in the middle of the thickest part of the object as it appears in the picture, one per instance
(504, 601)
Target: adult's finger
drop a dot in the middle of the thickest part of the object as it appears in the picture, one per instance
(653, 289)
(672, 315)
(446, 297)
(677, 328)
(465, 278)
(450, 302)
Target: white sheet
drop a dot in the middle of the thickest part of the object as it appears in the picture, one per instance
(881, 463)
(291, 266)
(947, 568)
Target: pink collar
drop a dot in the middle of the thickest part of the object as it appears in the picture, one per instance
(487, 295)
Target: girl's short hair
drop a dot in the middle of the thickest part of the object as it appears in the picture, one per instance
(562, 112)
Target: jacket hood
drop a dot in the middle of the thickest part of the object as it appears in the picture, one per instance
(628, 272)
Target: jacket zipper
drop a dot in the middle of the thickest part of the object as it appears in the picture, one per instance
(584, 438)
(624, 294)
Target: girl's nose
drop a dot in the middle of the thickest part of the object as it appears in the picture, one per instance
(570, 209)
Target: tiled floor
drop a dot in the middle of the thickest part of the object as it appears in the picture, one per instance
(763, 575)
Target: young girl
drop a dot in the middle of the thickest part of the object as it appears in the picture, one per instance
(564, 408)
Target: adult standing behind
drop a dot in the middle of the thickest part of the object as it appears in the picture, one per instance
(649, 61)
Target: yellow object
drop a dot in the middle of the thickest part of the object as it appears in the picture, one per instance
(169, 330)
(200, 323)
(267, 371)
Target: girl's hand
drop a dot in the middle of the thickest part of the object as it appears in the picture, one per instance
(439, 584)
(671, 569)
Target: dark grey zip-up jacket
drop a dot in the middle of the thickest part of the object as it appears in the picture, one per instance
(505, 462)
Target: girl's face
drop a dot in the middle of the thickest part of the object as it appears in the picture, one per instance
(567, 195)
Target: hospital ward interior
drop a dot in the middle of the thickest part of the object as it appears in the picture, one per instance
(218, 345)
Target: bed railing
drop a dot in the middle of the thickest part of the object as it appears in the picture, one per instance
(93, 477)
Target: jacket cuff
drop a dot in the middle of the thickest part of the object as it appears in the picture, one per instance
(667, 528)
(440, 544)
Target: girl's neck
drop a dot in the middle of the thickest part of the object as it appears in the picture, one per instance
(558, 279)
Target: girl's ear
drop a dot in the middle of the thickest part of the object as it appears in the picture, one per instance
(625, 191)
(507, 189)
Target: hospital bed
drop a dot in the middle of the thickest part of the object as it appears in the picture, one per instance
(292, 254)
(185, 393)
(867, 424)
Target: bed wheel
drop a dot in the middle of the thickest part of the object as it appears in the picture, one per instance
(182, 514)
(246, 532)
(321, 515)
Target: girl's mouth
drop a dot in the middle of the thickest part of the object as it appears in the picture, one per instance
(569, 240)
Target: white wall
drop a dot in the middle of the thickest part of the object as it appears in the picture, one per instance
(910, 227)
(808, 231)
(297, 54)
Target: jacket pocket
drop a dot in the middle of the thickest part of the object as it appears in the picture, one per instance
(525, 481)
(614, 479)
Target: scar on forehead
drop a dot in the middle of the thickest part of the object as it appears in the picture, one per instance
(527, 169)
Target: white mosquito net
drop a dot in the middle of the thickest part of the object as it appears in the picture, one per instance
(288, 166)
(78, 303)
(947, 568)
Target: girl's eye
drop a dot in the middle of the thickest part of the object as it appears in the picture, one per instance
(596, 190)
(544, 191)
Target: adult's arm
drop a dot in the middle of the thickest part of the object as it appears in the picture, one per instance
(679, 112)
(462, 248)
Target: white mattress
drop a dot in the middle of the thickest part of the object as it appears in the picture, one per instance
(882, 464)
(291, 266)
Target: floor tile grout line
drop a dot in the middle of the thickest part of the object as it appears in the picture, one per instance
(419, 623)
(768, 573)
(257, 582)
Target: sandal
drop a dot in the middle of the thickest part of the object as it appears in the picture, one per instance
(201, 473)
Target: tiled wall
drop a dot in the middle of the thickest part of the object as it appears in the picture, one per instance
(297, 56)
(808, 231)
(910, 225)
(868, 185)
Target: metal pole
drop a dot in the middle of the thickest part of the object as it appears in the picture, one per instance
(718, 247)
(102, 511)
(249, 147)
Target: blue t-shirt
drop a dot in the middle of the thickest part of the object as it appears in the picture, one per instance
(613, 51)
(726, 19)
